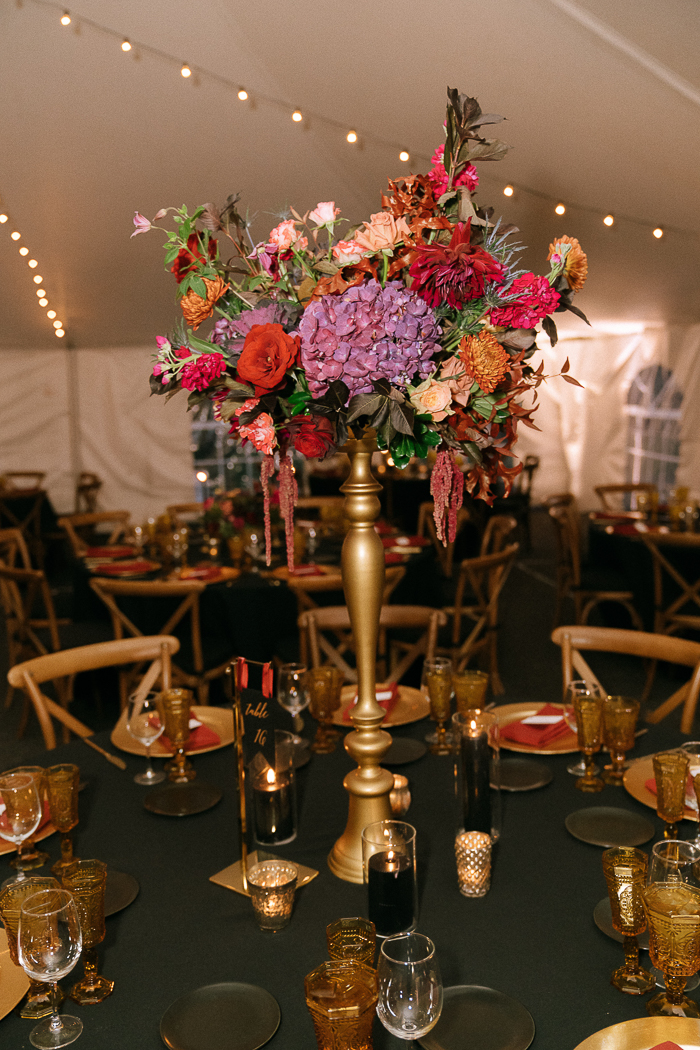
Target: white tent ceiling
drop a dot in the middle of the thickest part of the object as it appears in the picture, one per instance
(602, 100)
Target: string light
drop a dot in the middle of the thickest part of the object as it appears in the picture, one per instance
(58, 324)
(15, 236)
(186, 71)
(658, 233)
(65, 19)
(51, 314)
(404, 155)
(38, 279)
(296, 116)
(560, 209)
(201, 476)
(40, 292)
(126, 46)
(351, 136)
(24, 251)
(3, 217)
(609, 220)
(242, 94)
(508, 191)
(43, 302)
(60, 333)
(32, 264)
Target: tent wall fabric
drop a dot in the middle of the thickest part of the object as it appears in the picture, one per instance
(64, 411)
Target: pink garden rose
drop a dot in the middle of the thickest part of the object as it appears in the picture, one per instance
(260, 433)
(346, 253)
(382, 231)
(432, 398)
(324, 212)
(286, 235)
(454, 376)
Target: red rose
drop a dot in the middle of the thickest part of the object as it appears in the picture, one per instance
(267, 354)
(314, 437)
(189, 258)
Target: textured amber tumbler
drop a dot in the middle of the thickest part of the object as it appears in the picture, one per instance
(625, 870)
(86, 880)
(62, 788)
(39, 1001)
(671, 773)
(342, 997)
(469, 689)
(176, 714)
(620, 714)
(673, 914)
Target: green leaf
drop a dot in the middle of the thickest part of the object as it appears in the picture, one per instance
(171, 256)
(198, 286)
(203, 345)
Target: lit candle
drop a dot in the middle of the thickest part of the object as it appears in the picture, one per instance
(475, 757)
(390, 889)
(273, 807)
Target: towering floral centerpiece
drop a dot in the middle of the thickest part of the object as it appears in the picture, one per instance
(418, 323)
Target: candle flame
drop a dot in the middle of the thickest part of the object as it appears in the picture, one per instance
(472, 725)
(270, 775)
(391, 855)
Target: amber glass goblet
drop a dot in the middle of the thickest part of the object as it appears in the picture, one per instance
(341, 996)
(673, 914)
(588, 710)
(620, 714)
(324, 685)
(38, 1002)
(86, 880)
(469, 689)
(437, 677)
(62, 788)
(352, 939)
(625, 870)
(176, 715)
(670, 773)
(28, 856)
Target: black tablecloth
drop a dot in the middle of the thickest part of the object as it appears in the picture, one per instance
(532, 937)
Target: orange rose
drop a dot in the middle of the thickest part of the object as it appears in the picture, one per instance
(195, 309)
(267, 354)
(383, 231)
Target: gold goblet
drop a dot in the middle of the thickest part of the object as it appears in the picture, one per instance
(469, 689)
(437, 676)
(39, 1001)
(673, 914)
(341, 996)
(620, 714)
(28, 856)
(354, 939)
(324, 685)
(671, 773)
(62, 788)
(625, 870)
(588, 708)
(86, 880)
(176, 714)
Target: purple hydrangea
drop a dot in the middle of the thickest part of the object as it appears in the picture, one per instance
(368, 333)
(226, 331)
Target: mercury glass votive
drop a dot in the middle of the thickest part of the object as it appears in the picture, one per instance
(473, 854)
(354, 938)
(670, 773)
(272, 885)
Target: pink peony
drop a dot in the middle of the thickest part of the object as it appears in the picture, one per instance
(536, 299)
(468, 176)
(324, 212)
(432, 398)
(260, 433)
(201, 373)
(285, 236)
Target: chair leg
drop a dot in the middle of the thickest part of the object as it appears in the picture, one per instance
(497, 687)
(9, 696)
(203, 693)
(651, 675)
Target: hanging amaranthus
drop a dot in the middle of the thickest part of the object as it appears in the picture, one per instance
(447, 490)
(288, 500)
(267, 469)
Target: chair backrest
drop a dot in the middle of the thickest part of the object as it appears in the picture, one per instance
(607, 493)
(306, 586)
(33, 673)
(483, 578)
(86, 489)
(180, 513)
(335, 619)
(426, 527)
(21, 591)
(685, 604)
(110, 591)
(22, 479)
(13, 549)
(567, 524)
(530, 467)
(499, 528)
(74, 524)
(557, 499)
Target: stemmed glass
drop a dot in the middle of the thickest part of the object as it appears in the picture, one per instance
(22, 813)
(410, 986)
(86, 880)
(671, 774)
(292, 696)
(39, 1001)
(437, 681)
(587, 721)
(674, 861)
(176, 716)
(62, 785)
(146, 723)
(577, 769)
(28, 856)
(324, 685)
(620, 714)
(625, 870)
(692, 747)
(49, 943)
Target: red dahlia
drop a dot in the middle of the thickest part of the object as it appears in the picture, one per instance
(453, 273)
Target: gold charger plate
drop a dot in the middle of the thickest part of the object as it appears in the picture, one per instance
(14, 983)
(411, 706)
(643, 1033)
(220, 719)
(43, 833)
(635, 781)
(507, 713)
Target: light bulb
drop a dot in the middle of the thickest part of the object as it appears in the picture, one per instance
(60, 333)
(658, 232)
(609, 220)
(242, 94)
(40, 292)
(38, 279)
(201, 475)
(351, 136)
(126, 46)
(3, 217)
(58, 324)
(186, 71)
(24, 251)
(404, 155)
(508, 191)
(43, 302)
(51, 313)
(15, 236)
(296, 116)
(32, 264)
(65, 19)
(560, 209)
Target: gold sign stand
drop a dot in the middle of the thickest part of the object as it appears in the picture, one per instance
(363, 582)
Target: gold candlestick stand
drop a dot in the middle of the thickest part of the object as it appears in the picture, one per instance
(363, 582)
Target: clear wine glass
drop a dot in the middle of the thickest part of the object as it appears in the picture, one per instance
(49, 943)
(21, 814)
(146, 723)
(293, 696)
(410, 986)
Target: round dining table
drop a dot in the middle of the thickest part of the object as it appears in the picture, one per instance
(532, 937)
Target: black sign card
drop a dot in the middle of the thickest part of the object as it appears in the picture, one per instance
(261, 716)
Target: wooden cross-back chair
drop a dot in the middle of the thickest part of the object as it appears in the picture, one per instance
(181, 513)
(69, 662)
(23, 480)
(579, 637)
(13, 549)
(570, 580)
(335, 620)
(86, 489)
(188, 591)
(669, 614)
(499, 529)
(320, 503)
(426, 527)
(20, 508)
(75, 524)
(607, 493)
(479, 587)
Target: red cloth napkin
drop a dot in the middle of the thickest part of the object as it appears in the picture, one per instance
(200, 737)
(668, 1045)
(388, 703)
(306, 570)
(537, 736)
(109, 552)
(392, 557)
(118, 568)
(404, 541)
(384, 529)
(689, 789)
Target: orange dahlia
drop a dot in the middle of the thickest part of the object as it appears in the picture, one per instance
(195, 309)
(485, 360)
(576, 264)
